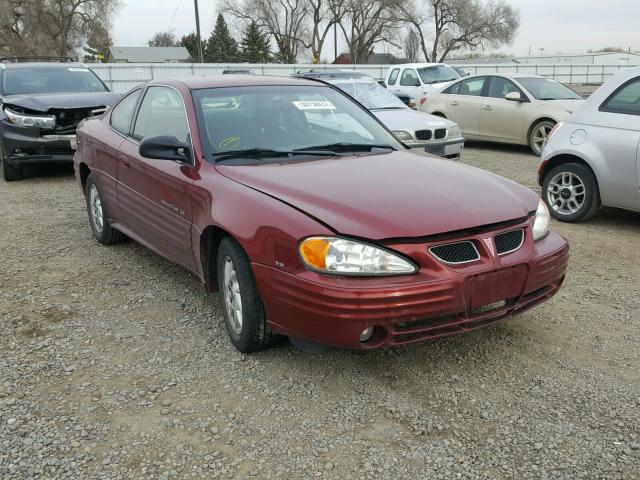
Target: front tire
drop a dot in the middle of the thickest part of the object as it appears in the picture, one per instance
(243, 309)
(539, 135)
(10, 173)
(98, 218)
(570, 190)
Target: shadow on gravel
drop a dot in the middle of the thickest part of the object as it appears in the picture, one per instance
(41, 172)
(505, 148)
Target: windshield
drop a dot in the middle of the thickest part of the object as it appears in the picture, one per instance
(547, 89)
(438, 74)
(284, 118)
(50, 80)
(369, 93)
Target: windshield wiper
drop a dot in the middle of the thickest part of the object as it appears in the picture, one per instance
(258, 153)
(388, 108)
(346, 147)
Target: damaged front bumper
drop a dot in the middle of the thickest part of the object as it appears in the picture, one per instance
(27, 146)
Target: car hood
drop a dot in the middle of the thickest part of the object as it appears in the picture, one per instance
(42, 102)
(568, 105)
(392, 195)
(408, 119)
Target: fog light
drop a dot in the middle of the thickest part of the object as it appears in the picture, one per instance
(366, 334)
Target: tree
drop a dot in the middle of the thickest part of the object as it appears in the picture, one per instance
(52, 27)
(255, 45)
(412, 46)
(190, 42)
(367, 23)
(98, 43)
(284, 20)
(445, 26)
(324, 15)
(163, 39)
(221, 46)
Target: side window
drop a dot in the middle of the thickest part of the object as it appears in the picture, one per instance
(410, 78)
(162, 112)
(499, 87)
(453, 89)
(394, 76)
(472, 86)
(123, 113)
(625, 100)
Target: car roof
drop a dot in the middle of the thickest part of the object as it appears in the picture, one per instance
(416, 65)
(514, 76)
(219, 81)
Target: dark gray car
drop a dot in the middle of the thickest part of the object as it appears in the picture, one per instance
(41, 104)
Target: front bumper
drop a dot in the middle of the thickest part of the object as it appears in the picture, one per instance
(438, 301)
(448, 148)
(26, 146)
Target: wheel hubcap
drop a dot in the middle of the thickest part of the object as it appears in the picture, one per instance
(540, 137)
(566, 193)
(232, 298)
(95, 208)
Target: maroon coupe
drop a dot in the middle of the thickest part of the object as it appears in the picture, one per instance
(309, 217)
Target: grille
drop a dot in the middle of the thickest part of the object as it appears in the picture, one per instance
(456, 253)
(441, 133)
(509, 241)
(68, 119)
(424, 134)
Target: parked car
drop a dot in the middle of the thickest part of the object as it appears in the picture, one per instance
(416, 129)
(593, 157)
(308, 229)
(509, 108)
(418, 79)
(41, 103)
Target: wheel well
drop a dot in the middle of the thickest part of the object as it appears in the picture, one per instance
(439, 114)
(559, 160)
(84, 174)
(536, 122)
(209, 243)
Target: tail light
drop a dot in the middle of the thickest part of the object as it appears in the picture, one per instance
(423, 100)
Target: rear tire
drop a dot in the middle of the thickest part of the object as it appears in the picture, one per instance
(539, 135)
(242, 306)
(10, 173)
(98, 217)
(570, 190)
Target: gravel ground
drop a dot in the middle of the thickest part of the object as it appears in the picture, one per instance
(114, 364)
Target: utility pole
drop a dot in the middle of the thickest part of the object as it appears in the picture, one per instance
(200, 54)
(335, 41)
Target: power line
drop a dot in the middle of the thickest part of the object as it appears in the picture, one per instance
(175, 12)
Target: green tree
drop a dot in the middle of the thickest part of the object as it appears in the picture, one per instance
(221, 47)
(190, 42)
(255, 45)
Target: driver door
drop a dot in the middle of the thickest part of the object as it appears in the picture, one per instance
(155, 195)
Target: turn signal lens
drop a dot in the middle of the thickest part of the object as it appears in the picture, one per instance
(314, 252)
(340, 256)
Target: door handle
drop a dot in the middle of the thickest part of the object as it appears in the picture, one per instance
(125, 161)
(487, 107)
(454, 103)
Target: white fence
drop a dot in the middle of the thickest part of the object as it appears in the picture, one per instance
(121, 77)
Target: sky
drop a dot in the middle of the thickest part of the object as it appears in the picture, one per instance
(557, 26)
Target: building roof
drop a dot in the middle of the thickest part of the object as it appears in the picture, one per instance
(373, 59)
(573, 55)
(148, 54)
(479, 61)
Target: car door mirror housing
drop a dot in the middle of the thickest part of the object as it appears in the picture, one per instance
(514, 97)
(165, 148)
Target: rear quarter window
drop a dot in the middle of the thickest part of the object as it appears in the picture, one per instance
(452, 90)
(625, 100)
(393, 76)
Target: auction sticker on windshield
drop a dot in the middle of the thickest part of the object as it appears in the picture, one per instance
(314, 105)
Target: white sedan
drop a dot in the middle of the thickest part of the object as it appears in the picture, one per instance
(510, 108)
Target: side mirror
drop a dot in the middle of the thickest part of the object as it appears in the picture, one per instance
(514, 97)
(165, 148)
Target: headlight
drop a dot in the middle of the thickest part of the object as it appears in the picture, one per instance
(340, 256)
(33, 121)
(402, 136)
(541, 222)
(454, 132)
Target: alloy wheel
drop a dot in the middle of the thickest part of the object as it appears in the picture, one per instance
(95, 206)
(232, 298)
(541, 136)
(566, 193)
